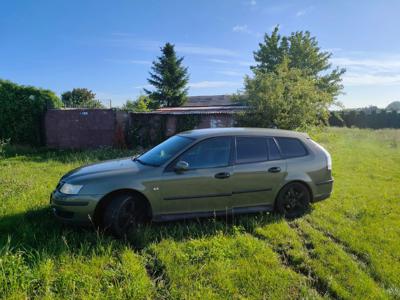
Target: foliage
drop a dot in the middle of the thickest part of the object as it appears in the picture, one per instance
(358, 118)
(141, 104)
(346, 247)
(293, 84)
(302, 52)
(285, 98)
(187, 122)
(80, 97)
(169, 79)
(146, 132)
(394, 106)
(21, 112)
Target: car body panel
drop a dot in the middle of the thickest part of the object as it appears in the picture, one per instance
(173, 195)
(253, 185)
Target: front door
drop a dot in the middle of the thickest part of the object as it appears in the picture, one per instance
(257, 173)
(205, 187)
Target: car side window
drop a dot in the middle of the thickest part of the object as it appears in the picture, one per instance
(273, 151)
(251, 149)
(291, 147)
(211, 153)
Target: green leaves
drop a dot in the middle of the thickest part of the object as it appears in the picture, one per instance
(80, 97)
(169, 79)
(21, 112)
(292, 87)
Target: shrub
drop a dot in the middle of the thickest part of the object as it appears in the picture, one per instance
(21, 112)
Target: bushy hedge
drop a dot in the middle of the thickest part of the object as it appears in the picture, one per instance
(361, 119)
(21, 112)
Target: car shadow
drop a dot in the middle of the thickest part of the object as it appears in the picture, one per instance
(38, 230)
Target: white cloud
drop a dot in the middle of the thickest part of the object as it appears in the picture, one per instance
(357, 79)
(370, 69)
(204, 50)
(129, 61)
(304, 11)
(129, 40)
(144, 86)
(241, 63)
(245, 29)
(241, 28)
(214, 84)
(231, 73)
(218, 61)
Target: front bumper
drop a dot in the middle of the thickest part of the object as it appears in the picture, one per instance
(77, 209)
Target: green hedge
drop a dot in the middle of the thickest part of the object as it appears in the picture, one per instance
(361, 119)
(21, 112)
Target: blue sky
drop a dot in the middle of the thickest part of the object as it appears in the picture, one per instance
(108, 46)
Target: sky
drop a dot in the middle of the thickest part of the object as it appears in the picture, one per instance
(108, 46)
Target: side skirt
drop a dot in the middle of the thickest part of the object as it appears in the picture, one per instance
(207, 214)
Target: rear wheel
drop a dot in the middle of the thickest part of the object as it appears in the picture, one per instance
(121, 215)
(293, 200)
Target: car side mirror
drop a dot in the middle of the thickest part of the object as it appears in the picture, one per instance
(181, 166)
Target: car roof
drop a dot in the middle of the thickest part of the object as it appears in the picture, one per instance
(241, 131)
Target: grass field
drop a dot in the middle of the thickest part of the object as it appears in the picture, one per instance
(347, 247)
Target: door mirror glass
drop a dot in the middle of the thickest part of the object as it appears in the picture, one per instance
(181, 166)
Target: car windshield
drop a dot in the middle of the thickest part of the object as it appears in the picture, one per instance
(164, 151)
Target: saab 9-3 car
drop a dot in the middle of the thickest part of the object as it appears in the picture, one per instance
(199, 173)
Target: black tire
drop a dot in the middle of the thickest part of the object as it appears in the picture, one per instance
(293, 200)
(121, 215)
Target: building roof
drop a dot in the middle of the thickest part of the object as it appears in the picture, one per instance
(228, 131)
(183, 110)
(212, 100)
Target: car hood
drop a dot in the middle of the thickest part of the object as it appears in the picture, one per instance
(106, 167)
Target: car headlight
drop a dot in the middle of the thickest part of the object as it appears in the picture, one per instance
(70, 189)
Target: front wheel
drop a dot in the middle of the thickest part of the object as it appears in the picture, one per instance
(120, 215)
(293, 200)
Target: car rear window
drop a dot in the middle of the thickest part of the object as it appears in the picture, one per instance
(291, 147)
(251, 149)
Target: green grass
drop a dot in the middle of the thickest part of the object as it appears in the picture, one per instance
(347, 247)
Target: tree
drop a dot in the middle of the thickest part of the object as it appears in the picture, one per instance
(285, 98)
(293, 85)
(394, 106)
(80, 97)
(169, 79)
(303, 53)
(141, 104)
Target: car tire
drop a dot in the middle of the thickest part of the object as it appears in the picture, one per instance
(293, 200)
(120, 215)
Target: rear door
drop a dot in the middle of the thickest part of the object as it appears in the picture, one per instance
(257, 172)
(206, 185)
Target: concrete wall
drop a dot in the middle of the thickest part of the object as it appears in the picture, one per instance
(93, 128)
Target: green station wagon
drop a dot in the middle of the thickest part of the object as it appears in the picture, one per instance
(199, 173)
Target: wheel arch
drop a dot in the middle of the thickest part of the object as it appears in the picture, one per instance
(306, 184)
(100, 207)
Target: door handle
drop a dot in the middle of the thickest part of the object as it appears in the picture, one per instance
(222, 175)
(274, 170)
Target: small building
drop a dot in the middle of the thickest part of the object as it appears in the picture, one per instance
(214, 111)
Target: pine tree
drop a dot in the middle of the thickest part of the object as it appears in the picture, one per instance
(169, 79)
